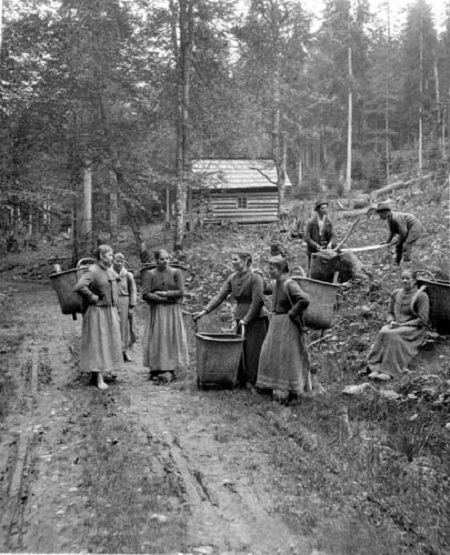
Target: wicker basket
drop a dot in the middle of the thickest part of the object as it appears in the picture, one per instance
(152, 265)
(439, 294)
(64, 283)
(218, 357)
(319, 313)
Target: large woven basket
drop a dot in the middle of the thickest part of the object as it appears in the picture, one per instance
(218, 357)
(322, 297)
(152, 265)
(439, 294)
(64, 283)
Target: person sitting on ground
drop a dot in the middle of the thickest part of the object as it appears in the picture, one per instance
(101, 352)
(319, 233)
(246, 287)
(284, 366)
(405, 226)
(407, 325)
(127, 302)
(165, 341)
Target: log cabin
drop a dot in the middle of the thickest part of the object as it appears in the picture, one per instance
(238, 191)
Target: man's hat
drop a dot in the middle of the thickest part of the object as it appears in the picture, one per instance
(319, 203)
(384, 206)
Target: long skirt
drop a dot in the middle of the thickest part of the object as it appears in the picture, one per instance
(255, 334)
(284, 360)
(101, 344)
(125, 329)
(394, 348)
(165, 340)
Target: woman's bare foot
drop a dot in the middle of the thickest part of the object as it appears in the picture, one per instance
(100, 382)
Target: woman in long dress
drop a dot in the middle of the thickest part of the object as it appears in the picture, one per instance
(284, 362)
(165, 340)
(399, 340)
(127, 302)
(101, 351)
(246, 288)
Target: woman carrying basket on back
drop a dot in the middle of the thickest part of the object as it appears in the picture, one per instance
(284, 362)
(246, 288)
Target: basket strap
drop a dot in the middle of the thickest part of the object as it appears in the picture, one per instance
(299, 319)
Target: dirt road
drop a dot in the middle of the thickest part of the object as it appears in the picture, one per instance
(142, 468)
(139, 468)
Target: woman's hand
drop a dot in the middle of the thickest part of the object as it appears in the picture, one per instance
(95, 299)
(394, 324)
(197, 315)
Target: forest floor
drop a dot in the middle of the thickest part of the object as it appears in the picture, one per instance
(172, 469)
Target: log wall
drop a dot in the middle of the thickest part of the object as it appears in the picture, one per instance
(237, 207)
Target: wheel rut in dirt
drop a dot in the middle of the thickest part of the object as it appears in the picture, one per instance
(229, 502)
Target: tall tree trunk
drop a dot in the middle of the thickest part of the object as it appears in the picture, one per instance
(113, 207)
(300, 170)
(388, 86)
(448, 124)
(282, 176)
(277, 154)
(420, 95)
(87, 199)
(1, 24)
(439, 111)
(184, 70)
(348, 181)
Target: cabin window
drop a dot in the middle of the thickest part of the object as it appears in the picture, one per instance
(242, 202)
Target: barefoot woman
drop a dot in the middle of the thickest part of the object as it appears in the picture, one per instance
(101, 344)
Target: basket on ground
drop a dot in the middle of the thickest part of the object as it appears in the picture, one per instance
(322, 296)
(439, 294)
(218, 357)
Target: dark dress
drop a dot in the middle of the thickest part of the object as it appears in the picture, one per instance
(247, 290)
(165, 341)
(284, 362)
(101, 344)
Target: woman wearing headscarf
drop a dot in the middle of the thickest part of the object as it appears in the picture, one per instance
(165, 340)
(244, 286)
(284, 362)
(101, 351)
(399, 340)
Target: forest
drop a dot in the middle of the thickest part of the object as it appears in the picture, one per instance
(104, 104)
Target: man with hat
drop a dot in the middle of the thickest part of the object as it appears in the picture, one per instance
(405, 226)
(319, 232)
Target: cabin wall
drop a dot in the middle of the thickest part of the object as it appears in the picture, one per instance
(236, 206)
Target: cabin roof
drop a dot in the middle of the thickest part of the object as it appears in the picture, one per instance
(237, 174)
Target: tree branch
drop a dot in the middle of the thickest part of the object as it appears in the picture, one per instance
(265, 175)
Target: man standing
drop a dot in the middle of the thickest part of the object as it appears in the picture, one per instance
(405, 226)
(319, 232)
